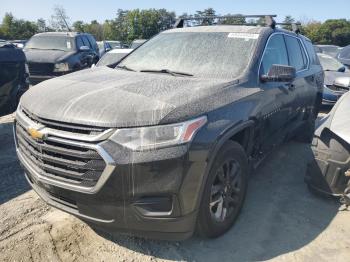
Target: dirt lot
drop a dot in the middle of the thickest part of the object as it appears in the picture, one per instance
(280, 221)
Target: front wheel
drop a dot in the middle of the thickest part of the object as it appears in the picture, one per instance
(224, 191)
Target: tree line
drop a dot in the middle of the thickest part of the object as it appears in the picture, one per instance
(143, 24)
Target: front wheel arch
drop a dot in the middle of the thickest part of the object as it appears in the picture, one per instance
(227, 135)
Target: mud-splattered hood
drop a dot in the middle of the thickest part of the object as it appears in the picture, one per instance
(118, 98)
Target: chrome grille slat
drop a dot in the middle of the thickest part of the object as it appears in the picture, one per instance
(90, 154)
(90, 165)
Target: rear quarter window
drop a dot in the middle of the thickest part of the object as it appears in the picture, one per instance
(297, 57)
(312, 54)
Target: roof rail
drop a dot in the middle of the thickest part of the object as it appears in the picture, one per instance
(269, 21)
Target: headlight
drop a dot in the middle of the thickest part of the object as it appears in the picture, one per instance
(145, 138)
(61, 67)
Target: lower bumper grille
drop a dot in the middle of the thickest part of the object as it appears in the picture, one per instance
(61, 162)
(43, 69)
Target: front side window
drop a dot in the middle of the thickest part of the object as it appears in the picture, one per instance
(86, 41)
(295, 52)
(275, 54)
(201, 54)
(79, 42)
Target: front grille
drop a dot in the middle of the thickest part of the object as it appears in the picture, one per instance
(41, 69)
(338, 88)
(56, 160)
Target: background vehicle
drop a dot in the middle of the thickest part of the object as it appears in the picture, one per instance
(58, 53)
(164, 143)
(344, 56)
(333, 88)
(13, 78)
(113, 57)
(103, 47)
(19, 43)
(136, 43)
(331, 50)
(329, 171)
(115, 44)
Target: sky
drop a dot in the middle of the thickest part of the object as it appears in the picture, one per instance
(86, 10)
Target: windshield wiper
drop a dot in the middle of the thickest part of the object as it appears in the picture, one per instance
(126, 68)
(166, 71)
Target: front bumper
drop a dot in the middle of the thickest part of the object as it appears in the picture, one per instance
(330, 97)
(151, 194)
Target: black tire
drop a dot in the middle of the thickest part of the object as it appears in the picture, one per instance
(213, 220)
(306, 134)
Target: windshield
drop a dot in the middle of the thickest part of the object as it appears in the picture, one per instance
(110, 59)
(115, 44)
(202, 54)
(51, 42)
(345, 53)
(329, 63)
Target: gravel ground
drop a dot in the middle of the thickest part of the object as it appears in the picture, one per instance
(280, 221)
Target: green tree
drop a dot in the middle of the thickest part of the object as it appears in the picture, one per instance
(207, 13)
(13, 28)
(237, 19)
(60, 19)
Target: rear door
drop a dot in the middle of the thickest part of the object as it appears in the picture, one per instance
(9, 83)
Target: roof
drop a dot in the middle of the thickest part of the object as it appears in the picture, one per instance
(71, 34)
(220, 28)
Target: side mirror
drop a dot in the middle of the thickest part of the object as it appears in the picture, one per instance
(280, 73)
(84, 48)
(108, 49)
(342, 69)
(342, 81)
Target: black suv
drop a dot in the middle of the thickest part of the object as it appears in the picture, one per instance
(163, 144)
(13, 77)
(55, 54)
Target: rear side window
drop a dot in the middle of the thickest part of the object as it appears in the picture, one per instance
(275, 54)
(297, 57)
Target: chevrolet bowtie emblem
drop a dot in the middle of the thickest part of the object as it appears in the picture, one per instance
(35, 133)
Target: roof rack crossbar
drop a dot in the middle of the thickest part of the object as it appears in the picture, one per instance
(295, 26)
(269, 21)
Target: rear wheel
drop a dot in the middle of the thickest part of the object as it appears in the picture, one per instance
(224, 191)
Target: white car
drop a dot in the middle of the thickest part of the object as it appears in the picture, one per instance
(113, 57)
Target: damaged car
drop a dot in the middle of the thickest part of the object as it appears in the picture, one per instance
(53, 54)
(162, 145)
(14, 75)
(337, 79)
(329, 171)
